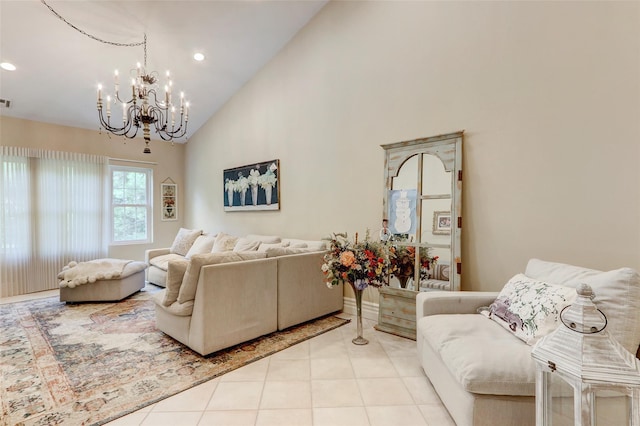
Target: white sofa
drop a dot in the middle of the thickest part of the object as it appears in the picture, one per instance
(218, 299)
(482, 372)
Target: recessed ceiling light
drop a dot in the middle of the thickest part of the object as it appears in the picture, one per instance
(198, 57)
(7, 66)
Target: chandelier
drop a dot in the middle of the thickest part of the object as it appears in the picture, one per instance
(147, 107)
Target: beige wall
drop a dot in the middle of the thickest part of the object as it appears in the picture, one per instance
(169, 159)
(547, 92)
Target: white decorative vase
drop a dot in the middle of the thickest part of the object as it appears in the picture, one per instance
(254, 194)
(230, 196)
(243, 197)
(267, 191)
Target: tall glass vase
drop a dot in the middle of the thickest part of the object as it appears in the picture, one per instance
(359, 340)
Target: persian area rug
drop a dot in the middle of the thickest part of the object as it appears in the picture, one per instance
(82, 364)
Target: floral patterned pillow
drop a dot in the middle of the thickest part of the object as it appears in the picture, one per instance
(530, 308)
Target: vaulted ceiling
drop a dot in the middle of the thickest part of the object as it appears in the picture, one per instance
(58, 68)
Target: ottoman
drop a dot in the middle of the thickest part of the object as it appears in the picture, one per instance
(101, 280)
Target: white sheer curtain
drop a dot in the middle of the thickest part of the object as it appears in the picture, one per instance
(52, 212)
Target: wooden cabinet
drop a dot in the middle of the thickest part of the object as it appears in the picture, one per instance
(397, 312)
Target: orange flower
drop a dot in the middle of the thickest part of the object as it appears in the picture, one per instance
(347, 258)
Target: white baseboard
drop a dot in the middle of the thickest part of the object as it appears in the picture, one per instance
(369, 310)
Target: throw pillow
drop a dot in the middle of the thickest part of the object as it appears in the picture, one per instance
(244, 244)
(530, 308)
(298, 245)
(184, 240)
(175, 274)
(617, 294)
(265, 246)
(269, 239)
(202, 245)
(191, 275)
(224, 242)
(284, 251)
(251, 255)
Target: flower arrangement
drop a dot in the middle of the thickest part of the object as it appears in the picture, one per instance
(242, 183)
(402, 261)
(360, 264)
(267, 180)
(254, 177)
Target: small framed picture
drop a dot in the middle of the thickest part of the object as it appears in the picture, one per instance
(169, 197)
(442, 222)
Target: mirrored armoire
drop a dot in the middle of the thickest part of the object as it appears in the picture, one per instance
(422, 205)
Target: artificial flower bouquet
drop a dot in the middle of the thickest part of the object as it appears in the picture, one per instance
(360, 264)
(402, 261)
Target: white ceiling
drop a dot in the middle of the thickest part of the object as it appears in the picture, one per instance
(59, 68)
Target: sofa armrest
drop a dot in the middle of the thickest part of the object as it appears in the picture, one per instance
(151, 253)
(452, 302)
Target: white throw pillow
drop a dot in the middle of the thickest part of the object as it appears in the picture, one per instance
(269, 239)
(190, 280)
(617, 294)
(284, 251)
(175, 275)
(244, 244)
(184, 240)
(312, 245)
(265, 246)
(202, 245)
(224, 242)
(529, 308)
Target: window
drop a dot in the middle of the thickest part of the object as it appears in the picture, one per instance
(130, 205)
(52, 211)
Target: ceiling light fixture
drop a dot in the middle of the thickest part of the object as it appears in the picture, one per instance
(198, 57)
(8, 66)
(145, 108)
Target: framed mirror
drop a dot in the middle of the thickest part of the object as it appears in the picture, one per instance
(422, 206)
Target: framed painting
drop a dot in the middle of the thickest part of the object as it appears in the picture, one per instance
(252, 187)
(169, 197)
(442, 222)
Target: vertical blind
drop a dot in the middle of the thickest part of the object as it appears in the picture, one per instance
(53, 211)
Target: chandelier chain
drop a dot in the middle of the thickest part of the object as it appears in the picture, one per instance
(113, 43)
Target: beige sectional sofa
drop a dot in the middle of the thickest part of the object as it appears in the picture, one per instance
(483, 372)
(216, 299)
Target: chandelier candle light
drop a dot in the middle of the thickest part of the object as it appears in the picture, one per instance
(144, 108)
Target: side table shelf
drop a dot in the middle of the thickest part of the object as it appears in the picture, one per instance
(397, 312)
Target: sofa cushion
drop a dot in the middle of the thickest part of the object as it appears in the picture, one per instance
(244, 244)
(617, 294)
(269, 239)
(480, 354)
(203, 244)
(190, 280)
(184, 240)
(175, 274)
(178, 309)
(224, 242)
(530, 308)
(162, 261)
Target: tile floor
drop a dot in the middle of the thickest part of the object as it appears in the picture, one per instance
(326, 380)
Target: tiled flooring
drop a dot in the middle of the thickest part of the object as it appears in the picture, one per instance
(326, 380)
